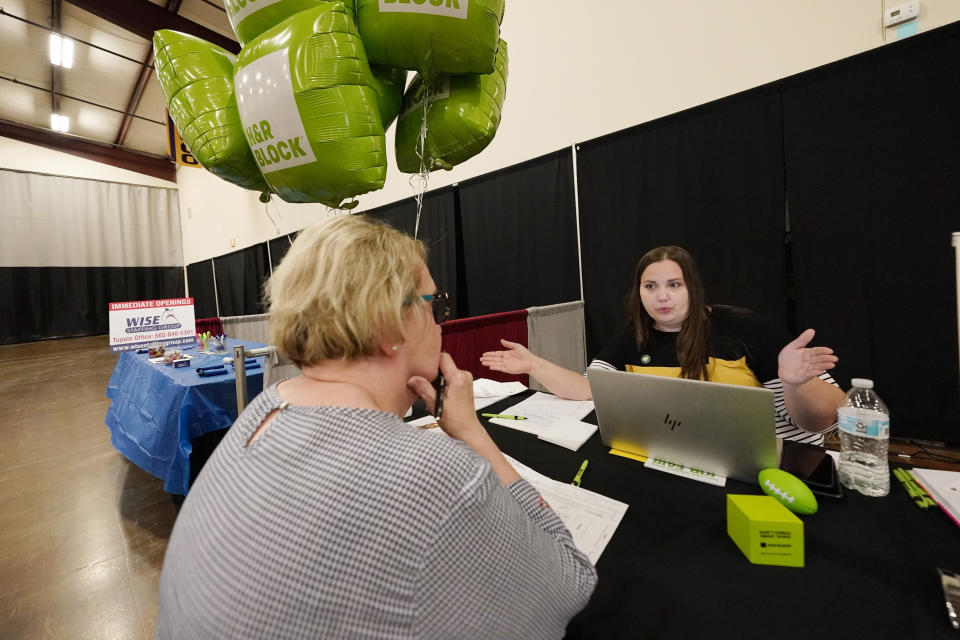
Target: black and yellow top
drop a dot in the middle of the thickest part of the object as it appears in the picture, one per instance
(743, 350)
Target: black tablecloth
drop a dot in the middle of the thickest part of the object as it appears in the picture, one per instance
(671, 571)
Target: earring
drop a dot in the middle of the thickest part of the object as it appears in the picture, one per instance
(395, 348)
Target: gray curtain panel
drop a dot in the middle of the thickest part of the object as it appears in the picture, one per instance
(255, 327)
(54, 221)
(555, 332)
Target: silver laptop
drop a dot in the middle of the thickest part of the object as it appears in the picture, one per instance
(725, 429)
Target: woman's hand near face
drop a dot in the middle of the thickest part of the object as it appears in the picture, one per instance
(459, 418)
(459, 413)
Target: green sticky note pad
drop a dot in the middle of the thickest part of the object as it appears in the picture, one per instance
(764, 530)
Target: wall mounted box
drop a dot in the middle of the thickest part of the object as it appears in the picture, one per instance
(764, 530)
(901, 13)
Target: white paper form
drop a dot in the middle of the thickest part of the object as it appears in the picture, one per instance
(590, 517)
(542, 410)
(569, 434)
(487, 391)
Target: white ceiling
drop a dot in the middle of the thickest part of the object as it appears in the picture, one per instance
(96, 76)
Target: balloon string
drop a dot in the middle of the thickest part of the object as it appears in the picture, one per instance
(266, 209)
(420, 180)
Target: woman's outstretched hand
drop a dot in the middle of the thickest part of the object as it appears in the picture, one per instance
(515, 359)
(799, 364)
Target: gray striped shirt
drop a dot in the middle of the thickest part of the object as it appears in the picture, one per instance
(347, 523)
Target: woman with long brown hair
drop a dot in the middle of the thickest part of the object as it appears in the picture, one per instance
(673, 332)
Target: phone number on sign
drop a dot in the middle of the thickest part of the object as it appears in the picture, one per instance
(172, 334)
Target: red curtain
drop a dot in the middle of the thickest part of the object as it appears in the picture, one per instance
(213, 325)
(465, 340)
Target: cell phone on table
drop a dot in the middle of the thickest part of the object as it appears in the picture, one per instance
(439, 385)
(813, 465)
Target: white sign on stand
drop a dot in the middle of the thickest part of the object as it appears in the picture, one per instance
(143, 323)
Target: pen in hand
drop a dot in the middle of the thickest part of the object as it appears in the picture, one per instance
(502, 415)
(440, 386)
(576, 478)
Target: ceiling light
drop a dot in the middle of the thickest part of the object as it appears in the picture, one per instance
(61, 51)
(67, 53)
(59, 122)
(56, 49)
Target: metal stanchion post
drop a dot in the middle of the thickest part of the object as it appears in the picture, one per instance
(240, 371)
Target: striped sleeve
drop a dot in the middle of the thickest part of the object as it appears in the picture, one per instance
(786, 427)
(602, 364)
(616, 353)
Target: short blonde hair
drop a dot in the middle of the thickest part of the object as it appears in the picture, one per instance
(343, 285)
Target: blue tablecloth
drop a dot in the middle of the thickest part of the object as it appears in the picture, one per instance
(157, 410)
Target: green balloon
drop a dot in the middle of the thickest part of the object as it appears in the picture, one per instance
(432, 36)
(463, 113)
(389, 83)
(309, 108)
(196, 78)
(250, 18)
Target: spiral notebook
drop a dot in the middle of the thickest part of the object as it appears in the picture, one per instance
(942, 486)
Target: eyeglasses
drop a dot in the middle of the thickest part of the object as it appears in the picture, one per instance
(440, 303)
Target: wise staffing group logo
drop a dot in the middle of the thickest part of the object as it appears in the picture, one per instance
(166, 321)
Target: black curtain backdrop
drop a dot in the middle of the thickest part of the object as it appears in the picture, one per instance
(709, 179)
(279, 247)
(200, 281)
(520, 236)
(438, 231)
(400, 215)
(872, 182)
(240, 276)
(38, 303)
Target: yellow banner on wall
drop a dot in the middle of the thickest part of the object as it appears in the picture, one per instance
(178, 151)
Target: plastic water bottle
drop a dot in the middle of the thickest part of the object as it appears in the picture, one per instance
(864, 423)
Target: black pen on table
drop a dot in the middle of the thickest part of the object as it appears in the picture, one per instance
(576, 478)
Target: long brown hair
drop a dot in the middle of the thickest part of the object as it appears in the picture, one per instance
(695, 330)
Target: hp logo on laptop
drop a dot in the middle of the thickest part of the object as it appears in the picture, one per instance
(672, 423)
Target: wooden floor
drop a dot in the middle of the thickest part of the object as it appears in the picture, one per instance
(82, 531)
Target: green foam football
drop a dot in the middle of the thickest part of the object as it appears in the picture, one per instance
(196, 78)
(788, 490)
(462, 117)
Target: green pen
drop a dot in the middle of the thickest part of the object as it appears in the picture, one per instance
(913, 489)
(923, 500)
(576, 478)
(905, 480)
(505, 416)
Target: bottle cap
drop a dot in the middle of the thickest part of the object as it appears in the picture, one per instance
(863, 383)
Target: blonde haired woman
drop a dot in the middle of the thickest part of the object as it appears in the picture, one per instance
(322, 515)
